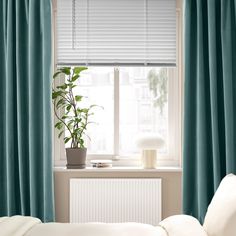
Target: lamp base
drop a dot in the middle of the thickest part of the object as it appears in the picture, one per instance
(149, 159)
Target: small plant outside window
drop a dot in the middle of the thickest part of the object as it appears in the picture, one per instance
(158, 81)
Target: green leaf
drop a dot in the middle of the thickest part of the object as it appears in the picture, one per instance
(81, 142)
(75, 77)
(85, 110)
(78, 110)
(66, 70)
(78, 120)
(64, 86)
(60, 134)
(56, 74)
(68, 107)
(67, 139)
(83, 124)
(77, 70)
(59, 125)
(78, 130)
(60, 102)
(64, 117)
(78, 98)
(70, 84)
(54, 95)
(70, 122)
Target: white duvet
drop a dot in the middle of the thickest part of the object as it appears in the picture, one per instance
(28, 226)
(220, 220)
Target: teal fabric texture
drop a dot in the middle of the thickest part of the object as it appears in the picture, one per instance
(26, 174)
(209, 149)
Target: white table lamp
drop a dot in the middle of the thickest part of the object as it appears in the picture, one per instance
(149, 144)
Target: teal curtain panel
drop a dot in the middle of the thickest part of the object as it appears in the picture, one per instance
(26, 176)
(209, 146)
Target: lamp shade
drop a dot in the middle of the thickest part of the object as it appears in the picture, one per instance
(150, 142)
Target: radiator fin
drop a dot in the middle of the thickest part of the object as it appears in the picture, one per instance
(115, 200)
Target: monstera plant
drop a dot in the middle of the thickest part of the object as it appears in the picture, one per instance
(71, 115)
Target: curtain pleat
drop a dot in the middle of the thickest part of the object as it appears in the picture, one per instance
(26, 175)
(209, 151)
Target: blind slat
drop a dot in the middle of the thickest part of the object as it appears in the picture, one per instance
(116, 32)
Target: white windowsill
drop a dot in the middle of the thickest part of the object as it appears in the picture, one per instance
(119, 169)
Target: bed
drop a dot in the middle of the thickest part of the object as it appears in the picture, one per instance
(220, 220)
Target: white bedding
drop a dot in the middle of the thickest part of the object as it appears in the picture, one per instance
(182, 225)
(17, 225)
(96, 229)
(28, 226)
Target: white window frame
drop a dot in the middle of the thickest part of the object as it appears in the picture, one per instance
(173, 159)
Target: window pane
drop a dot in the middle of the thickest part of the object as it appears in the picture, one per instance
(143, 105)
(96, 85)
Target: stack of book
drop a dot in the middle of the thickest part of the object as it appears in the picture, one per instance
(101, 163)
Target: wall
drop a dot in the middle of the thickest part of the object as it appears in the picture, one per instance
(171, 187)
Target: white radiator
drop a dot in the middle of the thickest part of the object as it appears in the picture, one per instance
(115, 200)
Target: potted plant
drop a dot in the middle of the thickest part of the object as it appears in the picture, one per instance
(74, 118)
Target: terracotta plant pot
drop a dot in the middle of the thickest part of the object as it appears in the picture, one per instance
(76, 158)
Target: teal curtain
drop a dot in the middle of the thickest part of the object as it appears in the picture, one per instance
(26, 185)
(209, 151)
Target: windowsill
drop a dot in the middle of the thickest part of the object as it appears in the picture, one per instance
(119, 169)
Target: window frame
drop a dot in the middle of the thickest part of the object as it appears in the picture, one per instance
(174, 112)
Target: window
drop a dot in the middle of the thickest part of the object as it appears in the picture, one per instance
(135, 100)
(138, 90)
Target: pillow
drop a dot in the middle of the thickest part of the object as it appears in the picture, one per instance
(220, 218)
(182, 225)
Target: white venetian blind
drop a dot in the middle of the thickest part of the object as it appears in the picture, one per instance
(116, 32)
